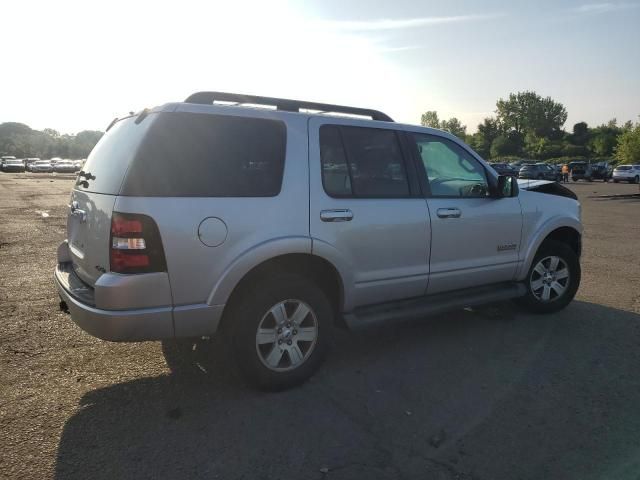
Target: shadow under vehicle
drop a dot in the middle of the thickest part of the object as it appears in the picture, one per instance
(491, 393)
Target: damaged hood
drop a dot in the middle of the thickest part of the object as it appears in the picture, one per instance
(546, 186)
(524, 184)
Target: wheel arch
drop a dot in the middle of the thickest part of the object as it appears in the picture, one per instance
(322, 272)
(569, 233)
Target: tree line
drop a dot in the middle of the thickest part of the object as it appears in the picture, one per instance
(21, 141)
(526, 125)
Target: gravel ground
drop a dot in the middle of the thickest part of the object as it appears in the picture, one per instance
(487, 394)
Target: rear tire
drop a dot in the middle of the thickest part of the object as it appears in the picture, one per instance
(636, 179)
(553, 279)
(268, 325)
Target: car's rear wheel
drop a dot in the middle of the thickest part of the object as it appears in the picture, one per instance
(636, 179)
(553, 279)
(280, 331)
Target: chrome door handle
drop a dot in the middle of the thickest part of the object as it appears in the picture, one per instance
(339, 215)
(449, 213)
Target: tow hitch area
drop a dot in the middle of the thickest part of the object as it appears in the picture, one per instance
(63, 306)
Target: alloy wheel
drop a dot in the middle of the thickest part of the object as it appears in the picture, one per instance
(286, 335)
(549, 279)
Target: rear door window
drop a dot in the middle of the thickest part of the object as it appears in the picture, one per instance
(362, 162)
(200, 155)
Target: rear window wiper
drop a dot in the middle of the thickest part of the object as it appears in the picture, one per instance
(86, 175)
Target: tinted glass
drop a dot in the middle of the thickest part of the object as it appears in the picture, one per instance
(376, 163)
(198, 155)
(451, 171)
(110, 158)
(335, 174)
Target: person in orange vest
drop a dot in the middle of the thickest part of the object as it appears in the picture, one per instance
(565, 173)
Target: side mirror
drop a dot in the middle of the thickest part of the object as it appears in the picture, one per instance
(507, 186)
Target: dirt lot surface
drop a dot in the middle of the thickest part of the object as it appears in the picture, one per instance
(490, 394)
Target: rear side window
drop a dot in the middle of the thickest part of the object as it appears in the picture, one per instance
(199, 155)
(362, 162)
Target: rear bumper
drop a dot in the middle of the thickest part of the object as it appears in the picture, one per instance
(114, 325)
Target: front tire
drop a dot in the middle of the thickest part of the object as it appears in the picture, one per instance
(553, 279)
(280, 331)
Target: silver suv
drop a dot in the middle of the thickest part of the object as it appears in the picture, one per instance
(271, 225)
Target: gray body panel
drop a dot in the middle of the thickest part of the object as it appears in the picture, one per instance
(480, 247)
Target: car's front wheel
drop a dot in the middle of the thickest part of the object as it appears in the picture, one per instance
(553, 279)
(280, 331)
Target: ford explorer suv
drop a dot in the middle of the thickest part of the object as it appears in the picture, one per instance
(627, 173)
(269, 224)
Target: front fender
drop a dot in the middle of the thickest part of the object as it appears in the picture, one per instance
(251, 258)
(540, 234)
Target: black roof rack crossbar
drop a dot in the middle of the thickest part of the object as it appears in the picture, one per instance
(284, 104)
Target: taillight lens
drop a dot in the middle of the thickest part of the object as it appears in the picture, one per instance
(135, 244)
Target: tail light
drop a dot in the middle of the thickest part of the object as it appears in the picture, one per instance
(135, 244)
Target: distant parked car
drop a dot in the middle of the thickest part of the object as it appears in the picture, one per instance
(28, 162)
(64, 166)
(4, 159)
(55, 160)
(626, 173)
(42, 166)
(581, 171)
(504, 169)
(13, 165)
(537, 171)
(601, 171)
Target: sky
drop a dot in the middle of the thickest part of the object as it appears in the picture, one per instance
(75, 65)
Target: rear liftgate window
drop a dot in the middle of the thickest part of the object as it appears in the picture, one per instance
(198, 155)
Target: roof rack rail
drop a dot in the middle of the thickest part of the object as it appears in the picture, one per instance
(284, 104)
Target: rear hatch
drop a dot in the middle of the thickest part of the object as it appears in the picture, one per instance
(528, 171)
(578, 168)
(94, 194)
